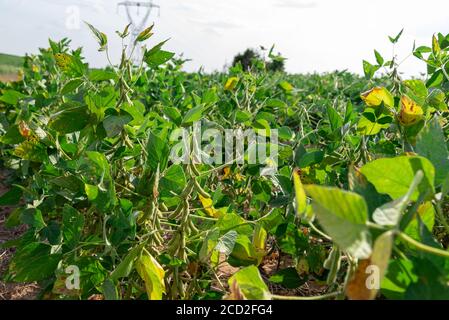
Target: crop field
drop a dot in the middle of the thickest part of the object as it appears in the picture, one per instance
(142, 181)
(9, 67)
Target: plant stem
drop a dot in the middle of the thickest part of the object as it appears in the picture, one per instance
(321, 233)
(202, 218)
(322, 297)
(423, 247)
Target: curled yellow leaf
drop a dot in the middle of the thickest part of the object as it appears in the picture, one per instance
(377, 95)
(231, 83)
(411, 113)
(226, 173)
(208, 206)
(63, 60)
(152, 274)
(300, 194)
(260, 238)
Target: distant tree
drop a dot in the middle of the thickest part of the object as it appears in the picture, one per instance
(277, 61)
(246, 59)
(252, 59)
(276, 65)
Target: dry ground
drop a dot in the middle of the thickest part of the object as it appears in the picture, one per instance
(8, 77)
(11, 291)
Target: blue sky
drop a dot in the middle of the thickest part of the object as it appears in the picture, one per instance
(315, 35)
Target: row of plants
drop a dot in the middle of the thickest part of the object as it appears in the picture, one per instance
(358, 204)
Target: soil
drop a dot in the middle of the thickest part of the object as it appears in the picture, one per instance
(11, 291)
(8, 77)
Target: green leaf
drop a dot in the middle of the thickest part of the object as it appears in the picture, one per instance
(33, 218)
(173, 114)
(114, 124)
(244, 252)
(109, 290)
(34, 262)
(369, 124)
(276, 103)
(12, 136)
(418, 52)
(304, 158)
(336, 121)
(209, 243)
(379, 58)
(210, 96)
(91, 191)
(13, 219)
(173, 181)
(52, 232)
(155, 56)
(103, 194)
(72, 226)
(424, 215)
(390, 213)
(242, 116)
(158, 152)
(101, 75)
(418, 90)
(437, 100)
(70, 86)
(145, 34)
(396, 39)
(286, 86)
(158, 58)
(431, 144)
(225, 244)
(435, 46)
(101, 37)
(369, 69)
(397, 279)
(70, 120)
(343, 216)
(393, 176)
(11, 97)
(193, 115)
(249, 283)
(435, 80)
(126, 265)
(287, 278)
(11, 197)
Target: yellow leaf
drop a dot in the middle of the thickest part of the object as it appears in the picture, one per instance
(63, 60)
(227, 173)
(376, 96)
(366, 280)
(302, 267)
(231, 83)
(380, 259)
(208, 207)
(259, 238)
(411, 112)
(152, 274)
(300, 194)
(286, 86)
(356, 288)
